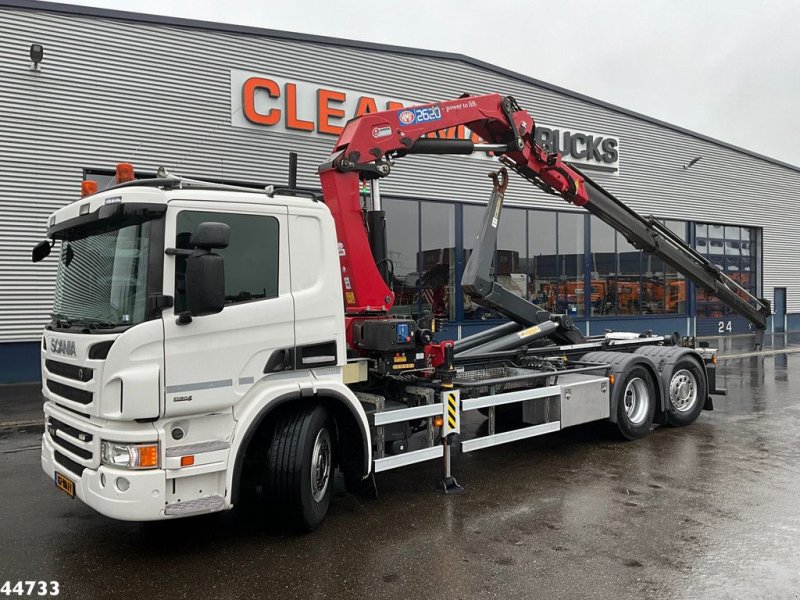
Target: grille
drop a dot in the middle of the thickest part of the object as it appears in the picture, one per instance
(69, 371)
(82, 457)
(69, 464)
(70, 393)
(70, 430)
(83, 453)
(72, 410)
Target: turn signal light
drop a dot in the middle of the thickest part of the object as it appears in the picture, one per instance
(125, 172)
(187, 461)
(438, 421)
(148, 456)
(714, 359)
(88, 188)
(611, 379)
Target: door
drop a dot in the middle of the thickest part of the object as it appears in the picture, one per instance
(779, 318)
(213, 360)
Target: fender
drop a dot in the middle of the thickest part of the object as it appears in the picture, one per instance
(620, 363)
(267, 395)
(665, 358)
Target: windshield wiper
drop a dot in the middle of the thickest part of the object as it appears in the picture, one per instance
(97, 323)
(60, 320)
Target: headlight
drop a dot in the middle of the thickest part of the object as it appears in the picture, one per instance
(129, 456)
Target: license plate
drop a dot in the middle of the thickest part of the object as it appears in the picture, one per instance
(65, 484)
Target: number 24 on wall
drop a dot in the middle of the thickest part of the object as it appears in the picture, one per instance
(725, 327)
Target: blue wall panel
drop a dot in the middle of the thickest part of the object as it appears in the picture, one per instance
(19, 362)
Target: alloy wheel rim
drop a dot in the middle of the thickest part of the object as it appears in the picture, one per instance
(683, 390)
(636, 400)
(321, 465)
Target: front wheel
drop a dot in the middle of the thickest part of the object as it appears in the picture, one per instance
(686, 390)
(636, 403)
(298, 475)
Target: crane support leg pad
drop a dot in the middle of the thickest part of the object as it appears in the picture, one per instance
(448, 485)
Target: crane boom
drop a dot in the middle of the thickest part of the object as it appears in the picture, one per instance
(369, 144)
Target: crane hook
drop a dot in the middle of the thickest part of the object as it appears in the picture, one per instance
(500, 180)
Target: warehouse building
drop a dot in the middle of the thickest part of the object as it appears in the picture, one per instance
(84, 88)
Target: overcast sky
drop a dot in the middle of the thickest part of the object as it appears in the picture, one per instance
(729, 69)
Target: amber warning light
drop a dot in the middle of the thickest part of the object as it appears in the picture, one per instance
(88, 188)
(125, 172)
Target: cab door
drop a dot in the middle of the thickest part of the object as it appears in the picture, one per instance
(211, 361)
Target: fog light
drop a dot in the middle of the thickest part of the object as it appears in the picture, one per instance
(123, 484)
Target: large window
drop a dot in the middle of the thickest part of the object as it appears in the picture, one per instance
(627, 281)
(570, 259)
(437, 259)
(402, 232)
(422, 250)
(543, 259)
(732, 249)
(251, 258)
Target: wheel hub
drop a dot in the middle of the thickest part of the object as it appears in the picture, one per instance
(636, 400)
(321, 465)
(683, 390)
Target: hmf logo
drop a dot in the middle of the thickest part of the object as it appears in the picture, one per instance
(64, 347)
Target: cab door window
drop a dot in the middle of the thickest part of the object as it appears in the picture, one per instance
(251, 258)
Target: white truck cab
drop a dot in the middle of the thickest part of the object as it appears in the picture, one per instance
(151, 405)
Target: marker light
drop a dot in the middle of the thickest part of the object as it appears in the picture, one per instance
(88, 188)
(187, 461)
(125, 172)
(438, 421)
(611, 379)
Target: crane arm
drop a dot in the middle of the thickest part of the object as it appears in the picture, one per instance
(368, 145)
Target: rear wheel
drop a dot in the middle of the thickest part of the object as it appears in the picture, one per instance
(636, 403)
(685, 389)
(298, 475)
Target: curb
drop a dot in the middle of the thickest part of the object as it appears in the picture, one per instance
(12, 425)
(794, 350)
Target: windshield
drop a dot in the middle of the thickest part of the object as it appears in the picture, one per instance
(102, 278)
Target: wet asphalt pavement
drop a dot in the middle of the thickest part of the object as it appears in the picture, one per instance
(709, 511)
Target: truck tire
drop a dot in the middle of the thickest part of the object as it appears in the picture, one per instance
(685, 393)
(636, 403)
(298, 476)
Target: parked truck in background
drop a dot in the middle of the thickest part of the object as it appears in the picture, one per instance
(208, 339)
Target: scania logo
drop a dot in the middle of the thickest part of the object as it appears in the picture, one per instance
(65, 347)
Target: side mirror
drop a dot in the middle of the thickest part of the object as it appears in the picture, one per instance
(205, 271)
(210, 235)
(205, 284)
(41, 251)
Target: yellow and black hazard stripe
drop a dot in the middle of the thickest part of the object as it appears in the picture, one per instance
(452, 412)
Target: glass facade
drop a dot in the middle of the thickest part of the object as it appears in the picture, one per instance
(732, 249)
(551, 258)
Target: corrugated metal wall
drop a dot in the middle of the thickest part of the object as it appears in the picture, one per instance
(113, 90)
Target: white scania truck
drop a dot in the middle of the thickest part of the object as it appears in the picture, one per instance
(207, 339)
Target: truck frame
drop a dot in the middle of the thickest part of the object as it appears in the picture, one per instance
(209, 340)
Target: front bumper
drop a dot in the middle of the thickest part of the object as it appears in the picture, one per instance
(143, 500)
